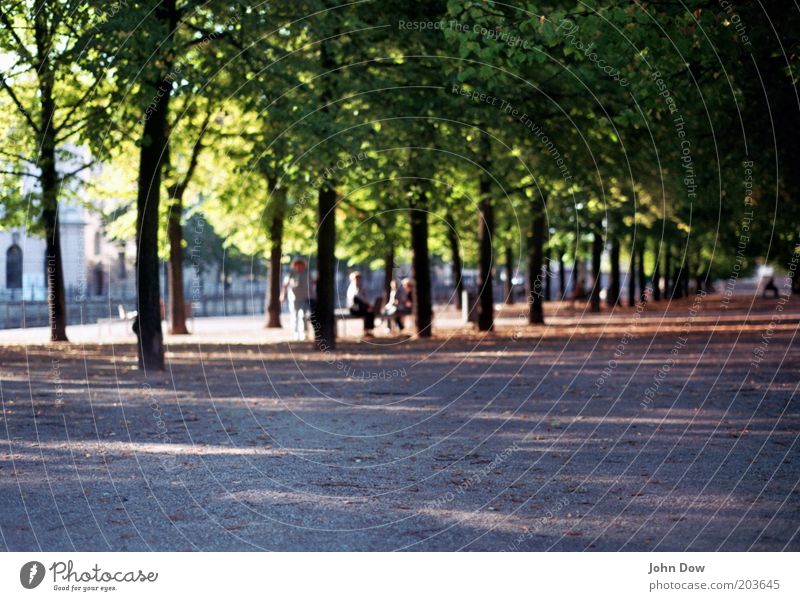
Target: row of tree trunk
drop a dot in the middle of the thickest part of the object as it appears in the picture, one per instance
(154, 148)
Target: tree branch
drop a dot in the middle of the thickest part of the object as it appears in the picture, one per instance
(19, 104)
(70, 174)
(10, 27)
(179, 188)
(19, 173)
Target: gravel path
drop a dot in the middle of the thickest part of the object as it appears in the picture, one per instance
(632, 432)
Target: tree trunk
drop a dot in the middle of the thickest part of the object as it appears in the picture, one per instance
(153, 145)
(485, 236)
(175, 236)
(388, 274)
(148, 197)
(667, 272)
(48, 179)
(597, 256)
(455, 250)
(275, 254)
(632, 278)
(56, 296)
(509, 283)
(614, 283)
(656, 272)
(536, 246)
(677, 284)
(562, 276)
(642, 276)
(324, 318)
(421, 266)
(686, 276)
(677, 278)
(176, 294)
(324, 313)
(548, 286)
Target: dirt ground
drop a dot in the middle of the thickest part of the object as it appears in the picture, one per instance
(647, 430)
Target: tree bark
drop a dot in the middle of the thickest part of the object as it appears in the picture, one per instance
(324, 313)
(642, 276)
(151, 159)
(275, 254)
(632, 278)
(508, 287)
(175, 268)
(56, 295)
(153, 146)
(548, 286)
(614, 283)
(535, 258)
(677, 278)
(455, 251)
(485, 236)
(686, 276)
(421, 266)
(324, 318)
(177, 191)
(656, 272)
(677, 284)
(597, 256)
(562, 276)
(699, 284)
(48, 179)
(388, 274)
(667, 272)
(151, 343)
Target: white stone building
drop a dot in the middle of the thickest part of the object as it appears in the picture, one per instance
(94, 266)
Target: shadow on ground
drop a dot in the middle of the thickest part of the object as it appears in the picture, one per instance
(548, 440)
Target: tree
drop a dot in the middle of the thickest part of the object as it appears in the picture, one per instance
(485, 243)
(176, 190)
(186, 40)
(58, 91)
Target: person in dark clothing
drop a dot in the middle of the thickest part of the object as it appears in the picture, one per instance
(771, 287)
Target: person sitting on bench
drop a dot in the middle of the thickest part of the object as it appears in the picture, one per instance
(358, 304)
(401, 303)
(771, 287)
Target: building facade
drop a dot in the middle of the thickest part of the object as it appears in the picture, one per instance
(94, 266)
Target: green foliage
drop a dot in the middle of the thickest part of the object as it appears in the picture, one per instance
(587, 107)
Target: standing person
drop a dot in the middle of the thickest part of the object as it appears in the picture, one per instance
(358, 304)
(297, 290)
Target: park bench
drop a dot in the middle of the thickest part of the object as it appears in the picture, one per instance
(126, 315)
(342, 315)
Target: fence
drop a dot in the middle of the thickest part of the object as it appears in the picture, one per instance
(31, 314)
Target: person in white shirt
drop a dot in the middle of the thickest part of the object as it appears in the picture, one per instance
(297, 291)
(359, 305)
(401, 303)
